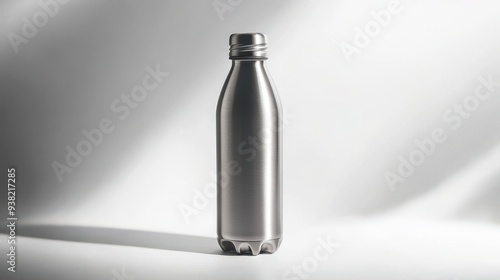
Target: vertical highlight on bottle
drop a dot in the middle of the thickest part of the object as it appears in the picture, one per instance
(249, 152)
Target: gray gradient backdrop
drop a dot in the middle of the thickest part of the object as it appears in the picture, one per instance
(348, 119)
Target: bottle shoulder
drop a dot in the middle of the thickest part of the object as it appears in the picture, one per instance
(249, 86)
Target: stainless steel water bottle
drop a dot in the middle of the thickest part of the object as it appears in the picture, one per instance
(249, 152)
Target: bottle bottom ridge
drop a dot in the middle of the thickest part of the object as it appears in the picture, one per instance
(250, 247)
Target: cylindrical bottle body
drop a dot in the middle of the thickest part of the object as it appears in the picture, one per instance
(249, 160)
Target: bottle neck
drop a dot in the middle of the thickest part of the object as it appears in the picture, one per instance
(242, 62)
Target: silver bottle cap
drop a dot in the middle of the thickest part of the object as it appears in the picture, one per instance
(248, 46)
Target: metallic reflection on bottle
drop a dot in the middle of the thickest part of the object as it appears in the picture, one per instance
(249, 152)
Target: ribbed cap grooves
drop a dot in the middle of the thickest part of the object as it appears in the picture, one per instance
(248, 46)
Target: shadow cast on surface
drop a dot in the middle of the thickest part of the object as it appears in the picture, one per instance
(124, 237)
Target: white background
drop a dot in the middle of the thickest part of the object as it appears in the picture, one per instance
(348, 120)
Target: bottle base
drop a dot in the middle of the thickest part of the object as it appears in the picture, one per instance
(250, 247)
